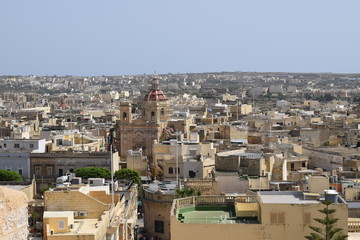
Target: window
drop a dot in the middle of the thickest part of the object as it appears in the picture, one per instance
(192, 174)
(31, 145)
(292, 166)
(5, 145)
(37, 170)
(159, 226)
(71, 170)
(277, 218)
(162, 111)
(192, 151)
(124, 115)
(16, 145)
(61, 224)
(60, 172)
(59, 142)
(20, 171)
(171, 171)
(307, 219)
(178, 170)
(303, 164)
(49, 170)
(153, 114)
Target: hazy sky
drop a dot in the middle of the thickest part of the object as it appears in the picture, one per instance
(116, 37)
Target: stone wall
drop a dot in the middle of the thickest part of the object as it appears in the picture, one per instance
(13, 214)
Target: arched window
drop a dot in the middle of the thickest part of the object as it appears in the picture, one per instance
(171, 171)
(124, 115)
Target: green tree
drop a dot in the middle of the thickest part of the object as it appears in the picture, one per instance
(329, 232)
(46, 188)
(10, 176)
(186, 192)
(128, 174)
(93, 172)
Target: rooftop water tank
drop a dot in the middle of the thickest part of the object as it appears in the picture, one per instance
(331, 195)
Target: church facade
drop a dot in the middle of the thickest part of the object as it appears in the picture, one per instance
(139, 134)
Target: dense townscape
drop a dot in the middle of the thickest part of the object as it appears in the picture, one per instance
(229, 155)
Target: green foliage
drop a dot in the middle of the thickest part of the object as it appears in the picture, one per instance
(45, 189)
(10, 176)
(186, 192)
(128, 174)
(329, 232)
(93, 172)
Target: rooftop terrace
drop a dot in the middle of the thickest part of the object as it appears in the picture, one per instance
(216, 209)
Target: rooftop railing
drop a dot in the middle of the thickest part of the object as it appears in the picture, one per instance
(210, 201)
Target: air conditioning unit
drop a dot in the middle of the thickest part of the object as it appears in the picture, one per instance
(76, 213)
(83, 213)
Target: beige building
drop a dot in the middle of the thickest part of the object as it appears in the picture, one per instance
(157, 201)
(312, 105)
(46, 167)
(193, 159)
(80, 211)
(136, 134)
(13, 214)
(269, 215)
(137, 161)
(86, 212)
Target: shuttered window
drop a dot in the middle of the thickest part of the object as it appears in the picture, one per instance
(277, 218)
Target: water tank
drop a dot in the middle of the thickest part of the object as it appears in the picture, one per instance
(331, 195)
(61, 179)
(76, 181)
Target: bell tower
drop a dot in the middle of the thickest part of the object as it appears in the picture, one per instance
(125, 113)
(155, 105)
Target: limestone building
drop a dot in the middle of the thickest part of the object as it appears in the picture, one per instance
(13, 214)
(269, 215)
(135, 134)
(157, 200)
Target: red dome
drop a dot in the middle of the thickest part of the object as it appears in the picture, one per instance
(155, 95)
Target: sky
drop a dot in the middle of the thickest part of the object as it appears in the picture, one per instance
(126, 37)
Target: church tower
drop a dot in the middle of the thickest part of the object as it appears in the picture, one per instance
(125, 112)
(155, 107)
(140, 133)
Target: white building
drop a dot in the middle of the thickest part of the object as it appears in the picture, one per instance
(15, 154)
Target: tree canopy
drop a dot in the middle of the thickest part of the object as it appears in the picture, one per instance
(12, 176)
(329, 231)
(128, 174)
(93, 172)
(186, 192)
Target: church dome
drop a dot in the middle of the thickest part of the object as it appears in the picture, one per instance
(155, 94)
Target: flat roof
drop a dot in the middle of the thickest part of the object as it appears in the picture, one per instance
(285, 198)
(15, 187)
(213, 215)
(51, 214)
(167, 187)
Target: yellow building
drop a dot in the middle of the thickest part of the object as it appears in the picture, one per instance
(83, 212)
(193, 159)
(269, 215)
